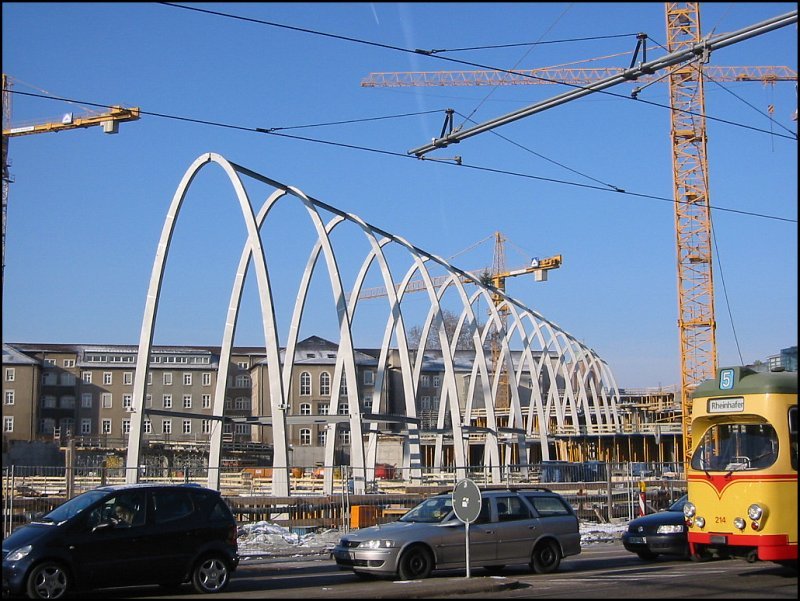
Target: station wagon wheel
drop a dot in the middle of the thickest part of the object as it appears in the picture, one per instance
(210, 575)
(416, 563)
(546, 557)
(48, 580)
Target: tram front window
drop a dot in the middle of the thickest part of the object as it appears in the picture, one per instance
(736, 447)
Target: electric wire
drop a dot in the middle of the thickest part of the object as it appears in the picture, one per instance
(404, 155)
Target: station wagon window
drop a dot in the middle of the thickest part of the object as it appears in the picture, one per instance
(548, 506)
(511, 508)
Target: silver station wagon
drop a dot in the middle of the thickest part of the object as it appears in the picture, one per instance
(532, 526)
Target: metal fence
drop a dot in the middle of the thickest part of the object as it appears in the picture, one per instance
(599, 492)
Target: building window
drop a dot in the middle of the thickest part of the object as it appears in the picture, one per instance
(206, 426)
(49, 379)
(243, 365)
(126, 426)
(241, 403)
(49, 402)
(67, 379)
(106, 429)
(87, 377)
(322, 436)
(206, 379)
(166, 426)
(69, 362)
(206, 401)
(127, 402)
(148, 401)
(107, 400)
(166, 378)
(305, 408)
(344, 408)
(67, 402)
(108, 378)
(369, 377)
(187, 426)
(127, 378)
(149, 378)
(344, 436)
(305, 384)
(426, 403)
(305, 437)
(10, 374)
(187, 401)
(437, 381)
(86, 400)
(86, 425)
(325, 384)
(366, 403)
(322, 408)
(50, 362)
(8, 424)
(243, 381)
(166, 401)
(148, 426)
(187, 379)
(425, 381)
(243, 429)
(8, 397)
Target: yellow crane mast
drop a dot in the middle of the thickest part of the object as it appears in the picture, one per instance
(109, 121)
(698, 355)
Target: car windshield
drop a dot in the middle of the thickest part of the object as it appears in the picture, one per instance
(73, 507)
(431, 511)
(678, 505)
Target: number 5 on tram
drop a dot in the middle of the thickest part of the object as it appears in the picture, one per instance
(742, 476)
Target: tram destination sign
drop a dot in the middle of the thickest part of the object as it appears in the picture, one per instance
(729, 405)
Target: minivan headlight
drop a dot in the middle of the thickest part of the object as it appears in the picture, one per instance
(377, 544)
(18, 554)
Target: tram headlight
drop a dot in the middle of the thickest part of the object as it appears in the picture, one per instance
(700, 522)
(755, 511)
(739, 523)
(689, 510)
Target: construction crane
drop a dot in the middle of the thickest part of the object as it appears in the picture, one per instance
(496, 278)
(109, 121)
(698, 355)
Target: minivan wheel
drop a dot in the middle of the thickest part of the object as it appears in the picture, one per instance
(210, 575)
(415, 564)
(546, 557)
(48, 580)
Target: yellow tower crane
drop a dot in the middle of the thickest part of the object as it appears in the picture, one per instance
(109, 121)
(696, 322)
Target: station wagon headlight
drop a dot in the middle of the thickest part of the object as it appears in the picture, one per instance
(378, 544)
(670, 529)
(18, 554)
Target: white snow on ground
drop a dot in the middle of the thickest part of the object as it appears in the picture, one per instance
(265, 539)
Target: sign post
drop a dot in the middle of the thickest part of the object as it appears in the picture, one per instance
(467, 507)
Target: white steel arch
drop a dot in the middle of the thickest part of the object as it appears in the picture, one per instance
(568, 385)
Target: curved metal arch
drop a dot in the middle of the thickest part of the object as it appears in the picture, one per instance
(587, 380)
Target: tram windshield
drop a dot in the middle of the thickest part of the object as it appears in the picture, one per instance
(736, 447)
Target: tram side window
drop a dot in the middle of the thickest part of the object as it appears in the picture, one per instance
(793, 435)
(737, 447)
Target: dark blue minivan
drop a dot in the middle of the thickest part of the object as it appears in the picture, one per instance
(125, 535)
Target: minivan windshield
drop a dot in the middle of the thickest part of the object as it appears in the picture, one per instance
(73, 507)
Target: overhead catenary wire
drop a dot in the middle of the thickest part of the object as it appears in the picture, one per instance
(264, 131)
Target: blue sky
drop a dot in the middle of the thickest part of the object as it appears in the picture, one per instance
(86, 209)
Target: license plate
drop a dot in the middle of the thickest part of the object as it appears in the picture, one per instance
(637, 540)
